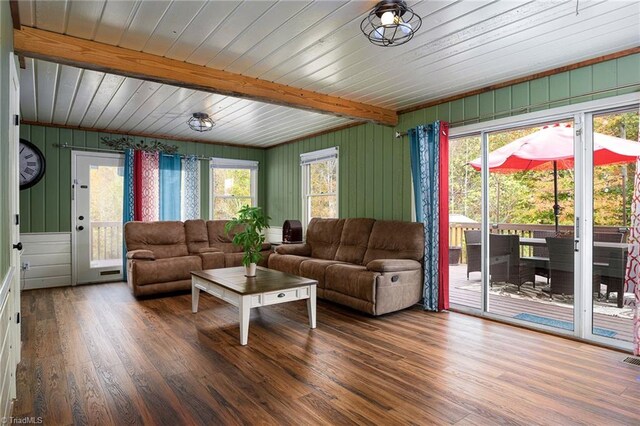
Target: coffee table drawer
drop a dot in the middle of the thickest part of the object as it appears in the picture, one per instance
(285, 295)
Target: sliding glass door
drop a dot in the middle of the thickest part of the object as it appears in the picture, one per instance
(540, 216)
(613, 135)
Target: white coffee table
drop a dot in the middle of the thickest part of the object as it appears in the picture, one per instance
(268, 287)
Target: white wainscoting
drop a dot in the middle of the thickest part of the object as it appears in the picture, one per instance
(49, 255)
(273, 234)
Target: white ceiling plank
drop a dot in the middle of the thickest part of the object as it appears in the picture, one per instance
(181, 111)
(89, 84)
(27, 12)
(341, 14)
(116, 18)
(28, 103)
(164, 93)
(278, 16)
(177, 18)
(47, 82)
(144, 22)
(107, 89)
(165, 108)
(126, 91)
(51, 15)
(67, 87)
(201, 28)
(139, 98)
(84, 17)
(243, 16)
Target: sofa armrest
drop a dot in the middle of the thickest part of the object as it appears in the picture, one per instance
(210, 250)
(295, 249)
(393, 265)
(141, 255)
(212, 259)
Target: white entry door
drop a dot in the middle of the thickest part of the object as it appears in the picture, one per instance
(98, 185)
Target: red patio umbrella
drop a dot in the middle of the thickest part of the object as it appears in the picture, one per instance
(551, 148)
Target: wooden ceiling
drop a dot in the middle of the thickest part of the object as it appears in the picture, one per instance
(311, 45)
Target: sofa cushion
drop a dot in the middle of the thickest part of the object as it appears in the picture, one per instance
(196, 235)
(217, 234)
(316, 268)
(166, 270)
(353, 280)
(354, 240)
(395, 240)
(323, 235)
(286, 263)
(164, 239)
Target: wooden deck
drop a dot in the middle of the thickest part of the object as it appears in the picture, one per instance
(510, 307)
(95, 355)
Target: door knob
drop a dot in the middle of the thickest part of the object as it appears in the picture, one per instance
(80, 217)
(80, 228)
(18, 246)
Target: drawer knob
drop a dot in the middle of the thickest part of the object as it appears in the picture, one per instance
(281, 295)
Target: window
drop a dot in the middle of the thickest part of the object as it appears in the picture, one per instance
(233, 185)
(319, 184)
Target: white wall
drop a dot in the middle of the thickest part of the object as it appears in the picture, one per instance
(49, 256)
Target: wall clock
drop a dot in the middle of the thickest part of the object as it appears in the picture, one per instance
(32, 164)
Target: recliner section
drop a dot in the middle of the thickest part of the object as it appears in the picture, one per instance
(161, 255)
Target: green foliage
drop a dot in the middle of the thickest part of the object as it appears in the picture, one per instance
(323, 180)
(252, 222)
(527, 197)
(231, 191)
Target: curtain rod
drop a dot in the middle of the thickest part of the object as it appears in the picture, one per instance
(119, 151)
(528, 108)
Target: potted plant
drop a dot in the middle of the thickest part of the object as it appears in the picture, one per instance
(251, 221)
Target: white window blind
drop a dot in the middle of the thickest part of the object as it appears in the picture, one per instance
(228, 163)
(320, 155)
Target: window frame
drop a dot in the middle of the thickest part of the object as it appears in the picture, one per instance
(306, 159)
(232, 164)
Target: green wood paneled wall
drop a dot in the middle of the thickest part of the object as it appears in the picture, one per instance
(6, 46)
(46, 207)
(375, 175)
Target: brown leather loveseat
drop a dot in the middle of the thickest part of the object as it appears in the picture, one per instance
(371, 265)
(161, 255)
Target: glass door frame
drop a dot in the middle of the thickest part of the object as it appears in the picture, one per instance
(581, 114)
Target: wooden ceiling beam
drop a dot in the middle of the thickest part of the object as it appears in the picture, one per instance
(92, 55)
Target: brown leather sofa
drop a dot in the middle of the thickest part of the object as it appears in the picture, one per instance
(371, 265)
(161, 255)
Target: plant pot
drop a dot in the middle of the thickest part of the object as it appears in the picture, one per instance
(250, 270)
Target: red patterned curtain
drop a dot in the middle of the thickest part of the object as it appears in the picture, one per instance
(146, 190)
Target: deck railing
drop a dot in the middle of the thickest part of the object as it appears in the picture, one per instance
(456, 232)
(106, 240)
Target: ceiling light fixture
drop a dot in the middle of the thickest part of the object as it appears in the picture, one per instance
(201, 122)
(390, 23)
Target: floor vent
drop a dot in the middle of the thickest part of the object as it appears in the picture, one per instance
(632, 360)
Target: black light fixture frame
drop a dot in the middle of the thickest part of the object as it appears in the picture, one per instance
(372, 24)
(197, 120)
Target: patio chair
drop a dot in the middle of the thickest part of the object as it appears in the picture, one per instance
(562, 267)
(506, 264)
(473, 248)
(611, 264)
(540, 257)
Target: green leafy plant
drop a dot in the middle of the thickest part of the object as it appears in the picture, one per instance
(251, 221)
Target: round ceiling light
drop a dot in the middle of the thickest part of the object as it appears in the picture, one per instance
(201, 122)
(390, 23)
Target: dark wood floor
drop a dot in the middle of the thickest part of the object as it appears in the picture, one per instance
(95, 355)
